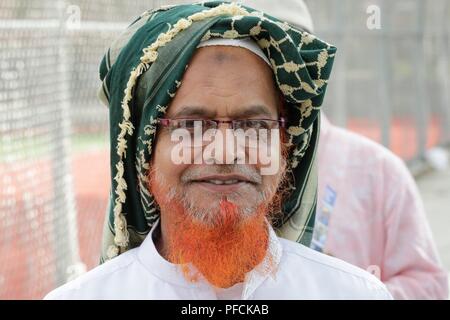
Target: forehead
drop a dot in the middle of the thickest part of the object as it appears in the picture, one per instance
(223, 81)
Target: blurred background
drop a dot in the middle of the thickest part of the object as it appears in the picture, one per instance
(54, 148)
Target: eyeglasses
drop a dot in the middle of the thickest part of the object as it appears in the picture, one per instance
(256, 130)
(206, 124)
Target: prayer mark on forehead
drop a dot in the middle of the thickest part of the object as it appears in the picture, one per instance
(223, 56)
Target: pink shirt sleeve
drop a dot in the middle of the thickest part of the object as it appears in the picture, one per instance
(411, 267)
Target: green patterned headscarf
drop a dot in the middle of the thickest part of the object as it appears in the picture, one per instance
(140, 75)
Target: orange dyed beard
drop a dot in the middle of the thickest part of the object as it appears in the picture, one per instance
(223, 253)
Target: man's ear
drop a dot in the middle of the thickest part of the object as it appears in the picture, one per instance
(282, 114)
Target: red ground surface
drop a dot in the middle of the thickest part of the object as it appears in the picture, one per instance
(27, 255)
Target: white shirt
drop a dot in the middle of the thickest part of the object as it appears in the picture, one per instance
(302, 273)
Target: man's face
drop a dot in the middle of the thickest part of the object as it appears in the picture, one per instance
(222, 83)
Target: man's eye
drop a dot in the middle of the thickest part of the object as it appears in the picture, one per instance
(257, 124)
(190, 124)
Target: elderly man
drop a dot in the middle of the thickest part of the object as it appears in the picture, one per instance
(380, 225)
(201, 225)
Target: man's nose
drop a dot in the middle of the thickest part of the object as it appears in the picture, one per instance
(226, 151)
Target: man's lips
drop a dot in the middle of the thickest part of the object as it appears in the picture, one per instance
(223, 183)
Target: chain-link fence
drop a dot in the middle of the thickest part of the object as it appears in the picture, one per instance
(38, 240)
(391, 81)
(391, 84)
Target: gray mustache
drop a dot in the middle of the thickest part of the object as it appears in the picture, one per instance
(195, 172)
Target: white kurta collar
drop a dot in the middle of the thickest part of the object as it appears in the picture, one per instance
(157, 265)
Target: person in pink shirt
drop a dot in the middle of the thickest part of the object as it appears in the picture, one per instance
(369, 211)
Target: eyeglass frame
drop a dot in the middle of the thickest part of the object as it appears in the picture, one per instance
(165, 122)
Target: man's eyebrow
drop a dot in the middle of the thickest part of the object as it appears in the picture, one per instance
(252, 111)
(194, 111)
(244, 112)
